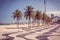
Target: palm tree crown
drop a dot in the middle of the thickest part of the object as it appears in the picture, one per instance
(28, 12)
(38, 15)
(46, 18)
(17, 15)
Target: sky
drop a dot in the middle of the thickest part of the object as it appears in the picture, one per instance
(7, 7)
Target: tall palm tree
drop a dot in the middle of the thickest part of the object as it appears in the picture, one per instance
(17, 15)
(38, 16)
(28, 13)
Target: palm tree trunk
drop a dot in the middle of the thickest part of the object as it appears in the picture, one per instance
(18, 25)
(28, 23)
(38, 23)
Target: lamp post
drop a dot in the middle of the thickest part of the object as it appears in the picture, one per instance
(44, 1)
(44, 6)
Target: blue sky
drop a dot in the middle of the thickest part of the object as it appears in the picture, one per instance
(9, 6)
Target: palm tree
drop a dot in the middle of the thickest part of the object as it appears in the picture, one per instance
(44, 16)
(49, 20)
(29, 13)
(46, 19)
(38, 16)
(17, 15)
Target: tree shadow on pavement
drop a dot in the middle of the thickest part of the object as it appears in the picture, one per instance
(42, 37)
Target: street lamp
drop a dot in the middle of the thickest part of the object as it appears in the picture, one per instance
(44, 6)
